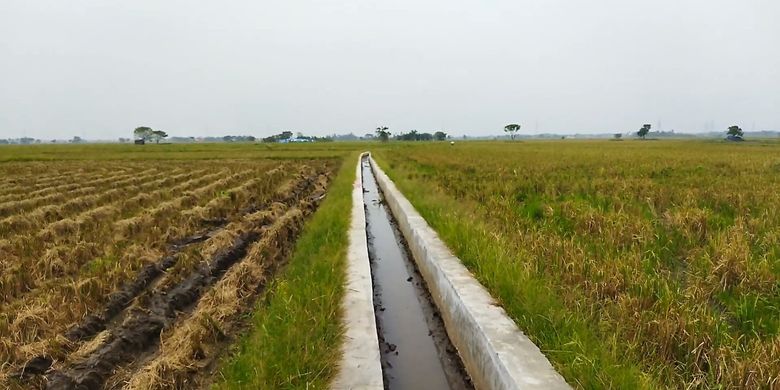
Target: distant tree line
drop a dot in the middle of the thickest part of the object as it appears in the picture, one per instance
(287, 136)
(383, 134)
(414, 135)
(30, 141)
(733, 133)
(239, 138)
(20, 141)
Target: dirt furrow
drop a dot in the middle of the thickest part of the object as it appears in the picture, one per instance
(71, 182)
(143, 323)
(27, 182)
(48, 214)
(78, 230)
(195, 342)
(285, 192)
(27, 204)
(92, 241)
(21, 325)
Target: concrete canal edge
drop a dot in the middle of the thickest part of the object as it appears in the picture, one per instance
(360, 366)
(495, 352)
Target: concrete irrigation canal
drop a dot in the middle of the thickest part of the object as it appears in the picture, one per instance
(414, 316)
(416, 351)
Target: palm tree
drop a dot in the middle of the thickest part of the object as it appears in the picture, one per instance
(382, 133)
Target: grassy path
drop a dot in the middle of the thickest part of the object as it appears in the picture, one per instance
(296, 329)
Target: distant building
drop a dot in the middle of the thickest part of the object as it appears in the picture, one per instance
(296, 139)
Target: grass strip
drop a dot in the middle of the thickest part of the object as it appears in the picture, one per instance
(296, 326)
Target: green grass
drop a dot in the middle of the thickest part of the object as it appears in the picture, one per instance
(295, 335)
(578, 353)
(98, 266)
(630, 264)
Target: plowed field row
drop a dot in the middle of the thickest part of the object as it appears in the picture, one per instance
(17, 224)
(85, 275)
(16, 207)
(48, 247)
(21, 191)
(19, 180)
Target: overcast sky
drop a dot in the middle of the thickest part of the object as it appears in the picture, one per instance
(98, 69)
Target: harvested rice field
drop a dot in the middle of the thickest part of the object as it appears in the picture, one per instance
(139, 273)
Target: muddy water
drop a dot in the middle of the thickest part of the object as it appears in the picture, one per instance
(416, 353)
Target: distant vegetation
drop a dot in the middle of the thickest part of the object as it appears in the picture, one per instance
(239, 138)
(644, 130)
(512, 130)
(287, 136)
(148, 134)
(383, 133)
(416, 136)
(734, 133)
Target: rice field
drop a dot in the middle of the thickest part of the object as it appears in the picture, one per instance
(631, 264)
(136, 273)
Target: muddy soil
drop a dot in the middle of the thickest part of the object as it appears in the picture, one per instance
(416, 351)
(134, 332)
(121, 299)
(142, 327)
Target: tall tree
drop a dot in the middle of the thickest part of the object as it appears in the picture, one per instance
(157, 135)
(143, 132)
(383, 133)
(512, 129)
(642, 133)
(735, 131)
(440, 136)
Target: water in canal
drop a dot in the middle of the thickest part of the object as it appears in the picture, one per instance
(416, 353)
